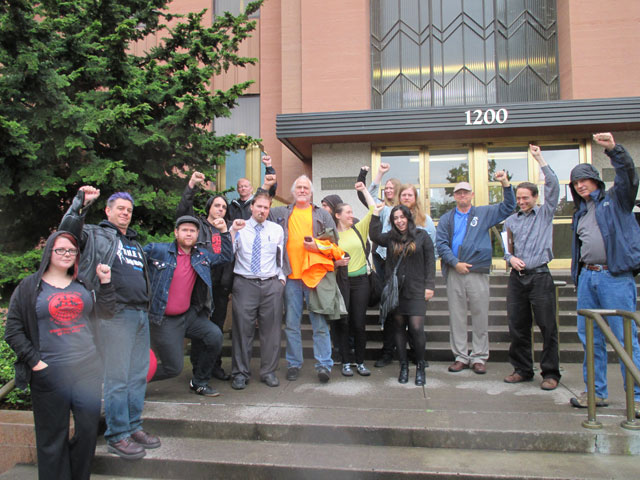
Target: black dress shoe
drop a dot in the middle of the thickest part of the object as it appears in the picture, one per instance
(383, 361)
(145, 439)
(239, 382)
(127, 449)
(271, 380)
(292, 374)
(220, 374)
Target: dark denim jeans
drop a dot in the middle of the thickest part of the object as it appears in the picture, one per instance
(125, 340)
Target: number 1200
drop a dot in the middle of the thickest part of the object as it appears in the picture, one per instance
(486, 117)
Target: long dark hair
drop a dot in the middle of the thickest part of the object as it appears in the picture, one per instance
(401, 240)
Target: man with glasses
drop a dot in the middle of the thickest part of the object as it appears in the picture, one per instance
(125, 337)
(464, 245)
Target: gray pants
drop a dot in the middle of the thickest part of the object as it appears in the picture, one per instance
(261, 301)
(471, 288)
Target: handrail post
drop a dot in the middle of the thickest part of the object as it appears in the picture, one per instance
(630, 423)
(558, 284)
(591, 421)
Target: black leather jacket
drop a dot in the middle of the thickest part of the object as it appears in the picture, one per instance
(98, 243)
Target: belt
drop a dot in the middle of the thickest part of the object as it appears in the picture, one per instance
(596, 267)
(530, 271)
(257, 279)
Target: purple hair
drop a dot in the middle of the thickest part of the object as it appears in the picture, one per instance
(122, 195)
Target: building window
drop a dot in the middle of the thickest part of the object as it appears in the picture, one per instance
(234, 7)
(430, 53)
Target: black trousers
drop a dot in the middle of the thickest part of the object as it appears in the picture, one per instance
(356, 299)
(219, 315)
(167, 341)
(527, 294)
(57, 391)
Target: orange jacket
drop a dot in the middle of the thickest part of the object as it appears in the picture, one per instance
(316, 265)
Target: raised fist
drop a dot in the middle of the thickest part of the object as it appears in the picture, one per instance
(269, 179)
(104, 273)
(360, 186)
(220, 224)
(605, 139)
(266, 160)
(384, 167)
(238, 224)
(90, 194)
(196, 179)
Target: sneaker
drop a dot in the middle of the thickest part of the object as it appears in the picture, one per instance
(581, 401)
(383, 361)
(346, 370)
(127, 449)
(292, 373)
(324, 374)
(362, 370)
(204, 390)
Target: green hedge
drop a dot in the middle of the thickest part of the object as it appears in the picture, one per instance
(17, 399)
(13, 268)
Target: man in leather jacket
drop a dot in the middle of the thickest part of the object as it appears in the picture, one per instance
(125, 337)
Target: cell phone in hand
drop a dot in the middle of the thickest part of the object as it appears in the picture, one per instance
(308, 239)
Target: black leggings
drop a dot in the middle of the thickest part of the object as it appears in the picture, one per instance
(416, 330)
(356, 300)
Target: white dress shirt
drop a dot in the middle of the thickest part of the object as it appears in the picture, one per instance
(271, 251)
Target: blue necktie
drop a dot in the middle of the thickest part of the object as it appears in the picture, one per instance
(255, 251)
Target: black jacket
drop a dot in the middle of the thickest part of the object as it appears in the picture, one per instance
(221, 274)
(98, 243)
(239, 209)
(417, 272)
(21, 332)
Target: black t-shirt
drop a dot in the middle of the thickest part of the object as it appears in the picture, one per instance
(63, 324)
(127, 274)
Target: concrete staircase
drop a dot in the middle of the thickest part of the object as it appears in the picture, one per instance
(459, 426)
(437, 325)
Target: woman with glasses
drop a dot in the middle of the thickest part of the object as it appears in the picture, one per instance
(50, 326)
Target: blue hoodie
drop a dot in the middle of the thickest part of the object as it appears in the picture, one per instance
(476, 245)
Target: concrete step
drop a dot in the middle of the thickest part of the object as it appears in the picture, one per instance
(257, 460)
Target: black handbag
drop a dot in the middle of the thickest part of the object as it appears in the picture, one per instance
(375, 285)
(390, 298)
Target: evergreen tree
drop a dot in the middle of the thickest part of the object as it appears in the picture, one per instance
(77, 107)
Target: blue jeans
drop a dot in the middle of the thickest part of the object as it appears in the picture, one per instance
(125, 340)
(603, 290)
(294, 293)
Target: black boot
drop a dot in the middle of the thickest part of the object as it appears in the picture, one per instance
(420, 379)
(404, 372)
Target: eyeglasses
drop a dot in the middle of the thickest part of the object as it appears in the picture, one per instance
(63, 251)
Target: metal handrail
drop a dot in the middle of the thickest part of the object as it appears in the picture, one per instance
(7, 388)
(624, 354)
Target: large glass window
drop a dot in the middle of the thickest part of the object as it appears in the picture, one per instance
(460, 52)
(436, 170)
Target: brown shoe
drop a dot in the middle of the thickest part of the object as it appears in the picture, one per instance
(515, 377)
(127, 449)
(145, 440)
(479, 368)
(549, 384)
(457, 366)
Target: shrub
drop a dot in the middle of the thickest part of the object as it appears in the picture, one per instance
(17, 399)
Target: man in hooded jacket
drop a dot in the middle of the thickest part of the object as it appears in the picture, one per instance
(605, 256)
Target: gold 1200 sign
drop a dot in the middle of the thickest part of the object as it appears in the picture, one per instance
(486, 117)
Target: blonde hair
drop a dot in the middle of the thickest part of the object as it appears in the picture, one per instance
(419, 216)
(396, 192)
